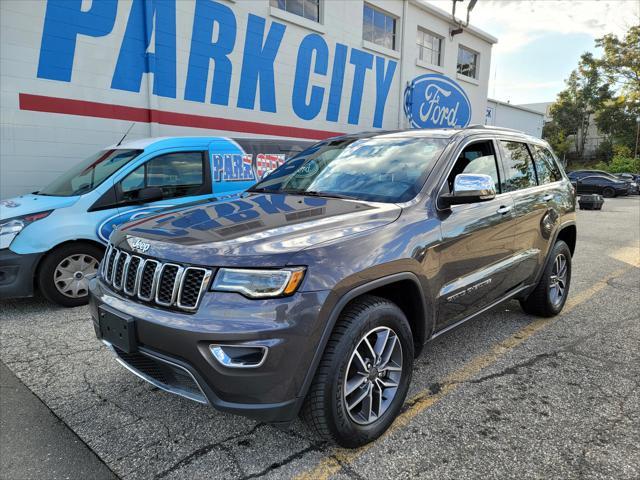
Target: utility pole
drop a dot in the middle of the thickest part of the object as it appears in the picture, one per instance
(635, 154)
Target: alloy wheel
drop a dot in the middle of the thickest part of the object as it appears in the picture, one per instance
(373, 375)
(71, 276)
(558, 280)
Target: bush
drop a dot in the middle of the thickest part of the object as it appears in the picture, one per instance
(622, 161)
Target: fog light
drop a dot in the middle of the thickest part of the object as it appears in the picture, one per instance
(239, 356)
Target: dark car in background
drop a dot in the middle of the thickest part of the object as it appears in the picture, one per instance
(576, 175)
(314, 291)
(633, 178)
(605, 186)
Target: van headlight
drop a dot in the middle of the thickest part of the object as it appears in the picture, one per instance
(259, 283)
(11, 227)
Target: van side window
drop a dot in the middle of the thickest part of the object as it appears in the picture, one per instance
(479, 157)
(179, 174)
(518, 165)
(546, 165)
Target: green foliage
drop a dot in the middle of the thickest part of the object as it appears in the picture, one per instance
(556, 138)
(620, 62)
(607, 88)
(621, 162)
(586, 90)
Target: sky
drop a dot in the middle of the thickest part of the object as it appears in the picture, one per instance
(540, 41)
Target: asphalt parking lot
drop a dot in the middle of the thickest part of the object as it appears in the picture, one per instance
(506, 395)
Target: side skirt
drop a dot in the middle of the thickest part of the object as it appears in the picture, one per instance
(508, 296)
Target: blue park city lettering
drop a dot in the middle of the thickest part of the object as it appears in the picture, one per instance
(65, 20)
(226, 213)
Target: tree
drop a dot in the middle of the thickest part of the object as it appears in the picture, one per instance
(557, 139)
(616, 119)
(586, 90)
(620, 62)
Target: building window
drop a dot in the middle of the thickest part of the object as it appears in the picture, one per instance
(429, 47)
(305, 8)
(467, 62)
(379, 27)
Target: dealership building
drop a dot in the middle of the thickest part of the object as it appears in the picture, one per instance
(76, 74)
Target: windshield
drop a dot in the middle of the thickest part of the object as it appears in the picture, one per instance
(373, 169)
(87, 175)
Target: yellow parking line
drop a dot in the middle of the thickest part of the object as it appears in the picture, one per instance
(629, 254)
(425, 399)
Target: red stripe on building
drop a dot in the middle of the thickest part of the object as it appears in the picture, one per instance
(40, 103)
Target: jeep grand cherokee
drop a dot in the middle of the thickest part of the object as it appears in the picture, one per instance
(314, 291)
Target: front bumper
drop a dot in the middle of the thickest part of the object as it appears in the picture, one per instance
(17, 273)
(179, 343)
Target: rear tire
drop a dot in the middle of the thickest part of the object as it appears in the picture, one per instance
(550, 295)
(64, 274)
(608, 192)
(334, 412)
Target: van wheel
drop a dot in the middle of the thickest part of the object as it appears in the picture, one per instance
(550, 294)
(364, 375)
(65, 272)
(608, 192)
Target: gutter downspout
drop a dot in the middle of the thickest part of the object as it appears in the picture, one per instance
(402, 59)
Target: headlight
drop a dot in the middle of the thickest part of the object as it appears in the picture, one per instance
(11, 227)
(259, 283)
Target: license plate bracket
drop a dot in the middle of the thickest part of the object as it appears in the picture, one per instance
(118, 329)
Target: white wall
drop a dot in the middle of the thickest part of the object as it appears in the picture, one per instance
(500, 114)
(48, 124)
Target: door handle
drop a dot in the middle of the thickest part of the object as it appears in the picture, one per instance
(547, 198)
(504, 209)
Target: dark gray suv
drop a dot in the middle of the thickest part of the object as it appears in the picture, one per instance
(314, 291)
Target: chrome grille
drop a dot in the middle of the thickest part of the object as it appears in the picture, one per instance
(118, 269)
(150, 280)
(194, 281)
(131, 275)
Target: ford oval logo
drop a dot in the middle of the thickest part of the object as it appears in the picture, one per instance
(436, 101)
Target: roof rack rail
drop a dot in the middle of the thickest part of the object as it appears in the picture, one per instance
(490, 127)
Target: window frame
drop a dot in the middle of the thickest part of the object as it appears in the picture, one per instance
(395, 35)
(205, 188)
(422, 47)
(477, 63)
(275, 5)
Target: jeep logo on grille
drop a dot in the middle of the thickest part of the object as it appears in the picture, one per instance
(139, 245)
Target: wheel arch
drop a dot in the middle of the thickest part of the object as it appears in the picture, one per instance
(36, 270)
(395, 287)
(568, 234)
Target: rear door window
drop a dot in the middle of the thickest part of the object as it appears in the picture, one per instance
(519, 171)
(546, 166)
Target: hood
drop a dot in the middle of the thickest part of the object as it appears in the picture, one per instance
(32, 203)
(256, 229)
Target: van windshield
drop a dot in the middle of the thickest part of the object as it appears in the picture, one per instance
(87, 175)
(375, 169)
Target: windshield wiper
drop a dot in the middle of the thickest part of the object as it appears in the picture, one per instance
(257, 190)
(314, 193)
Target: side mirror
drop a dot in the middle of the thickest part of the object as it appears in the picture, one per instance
(150, 194)
(470, 188)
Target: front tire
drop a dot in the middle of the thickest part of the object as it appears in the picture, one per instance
(550, 295)
(608, 192)
(64, 274)
(364, 375)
